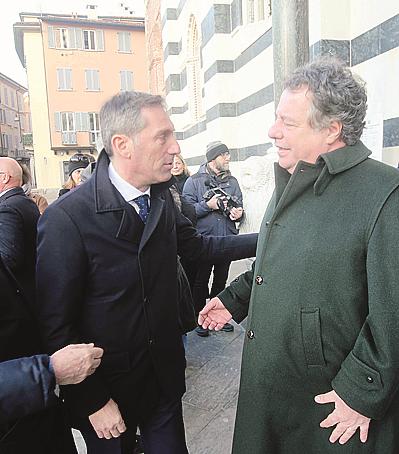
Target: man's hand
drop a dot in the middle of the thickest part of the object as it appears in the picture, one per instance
(108, 422)
(214, 315)
(213, 203)
(346, 420)
(73, 363)
(236, 213)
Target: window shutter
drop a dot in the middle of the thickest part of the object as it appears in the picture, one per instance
(79, 38)
(88, 79)
(78, 121)
(129, 80)
(60, 79)
(51, 37)
(85, 121)
(100, 39)
(120, 41)
(71, 38)
(57, 118)
(68, 79)
(123, 80)
(96, 77)
(128, 47)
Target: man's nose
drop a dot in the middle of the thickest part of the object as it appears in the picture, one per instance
(275, 131)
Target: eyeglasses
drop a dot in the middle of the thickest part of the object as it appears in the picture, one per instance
(225, 154)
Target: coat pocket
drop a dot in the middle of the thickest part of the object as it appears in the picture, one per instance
(311, 337)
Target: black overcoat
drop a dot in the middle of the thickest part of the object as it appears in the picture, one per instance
(104, 277)
(44, 431)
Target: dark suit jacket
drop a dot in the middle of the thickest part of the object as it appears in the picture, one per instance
(45, 431)
(104, 277)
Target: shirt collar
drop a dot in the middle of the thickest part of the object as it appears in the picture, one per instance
(127, 191)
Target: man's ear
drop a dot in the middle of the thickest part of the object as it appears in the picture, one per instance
(121, 145)
(334, 132)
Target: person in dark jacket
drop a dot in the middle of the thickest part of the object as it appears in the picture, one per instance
(45, 432)
(28, 384)
(320, 365)
(215, 216)
(123, 234)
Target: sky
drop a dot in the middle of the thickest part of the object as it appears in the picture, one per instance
(10, 64)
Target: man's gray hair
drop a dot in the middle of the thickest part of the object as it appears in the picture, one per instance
(337, 95)
(122, 115)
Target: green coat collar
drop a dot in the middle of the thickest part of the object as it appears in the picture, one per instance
(344, 158)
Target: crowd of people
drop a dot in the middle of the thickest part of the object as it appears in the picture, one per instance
(99, 290)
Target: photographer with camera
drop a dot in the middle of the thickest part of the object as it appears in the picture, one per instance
(217, 198)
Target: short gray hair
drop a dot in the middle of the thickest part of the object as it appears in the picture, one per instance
(337, 95)
(122, 115)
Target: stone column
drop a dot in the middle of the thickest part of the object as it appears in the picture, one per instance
(290, 19)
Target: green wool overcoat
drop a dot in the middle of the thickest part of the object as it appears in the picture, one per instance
(322, 301)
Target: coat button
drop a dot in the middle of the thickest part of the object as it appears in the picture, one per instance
(267, 223)
(259, 280)
(151, 342)
(370, 379)
(250, 334)
(145, 300)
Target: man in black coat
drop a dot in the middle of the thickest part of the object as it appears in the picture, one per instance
(106, 272)
(216, 196)
(19, 337)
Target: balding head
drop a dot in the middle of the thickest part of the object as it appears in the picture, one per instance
(10, 174)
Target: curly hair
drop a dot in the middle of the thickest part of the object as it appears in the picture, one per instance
(337, 95)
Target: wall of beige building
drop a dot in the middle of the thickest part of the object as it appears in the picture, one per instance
(47, 99)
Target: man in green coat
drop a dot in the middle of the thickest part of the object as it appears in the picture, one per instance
(320, 366)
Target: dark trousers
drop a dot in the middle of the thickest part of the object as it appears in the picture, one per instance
(161, 433)
(201, 283)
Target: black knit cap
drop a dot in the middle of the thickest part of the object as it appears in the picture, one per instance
(215, 149)
(77, 161)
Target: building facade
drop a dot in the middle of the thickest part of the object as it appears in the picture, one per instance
(218, 69)
(15, 121)
(74, 63)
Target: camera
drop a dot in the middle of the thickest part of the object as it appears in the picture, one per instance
(225, 201)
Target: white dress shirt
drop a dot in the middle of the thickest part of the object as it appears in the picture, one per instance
(126, 190)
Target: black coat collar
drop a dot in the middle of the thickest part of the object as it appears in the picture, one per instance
(12, 192)
(106, 196)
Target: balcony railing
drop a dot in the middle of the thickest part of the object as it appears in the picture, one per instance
(69, 138)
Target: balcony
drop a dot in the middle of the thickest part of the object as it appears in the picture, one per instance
(69, 138)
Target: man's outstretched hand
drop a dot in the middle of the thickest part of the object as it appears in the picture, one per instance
(344, 418)
(214, 315)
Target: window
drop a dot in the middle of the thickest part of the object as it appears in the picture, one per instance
(61, 38)
(2, 116)
(68, 127)
(64, 78)
(94, 124)
(92, 79)
(93, 40)
(124, 42)
(5, 141)
(126, 80)
(5, 96)
(256, 10)
(194, 76)
(12, 99)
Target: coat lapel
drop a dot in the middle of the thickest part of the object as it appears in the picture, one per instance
(157, 205)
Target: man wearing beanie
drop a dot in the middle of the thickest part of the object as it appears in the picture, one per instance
(215, 216)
